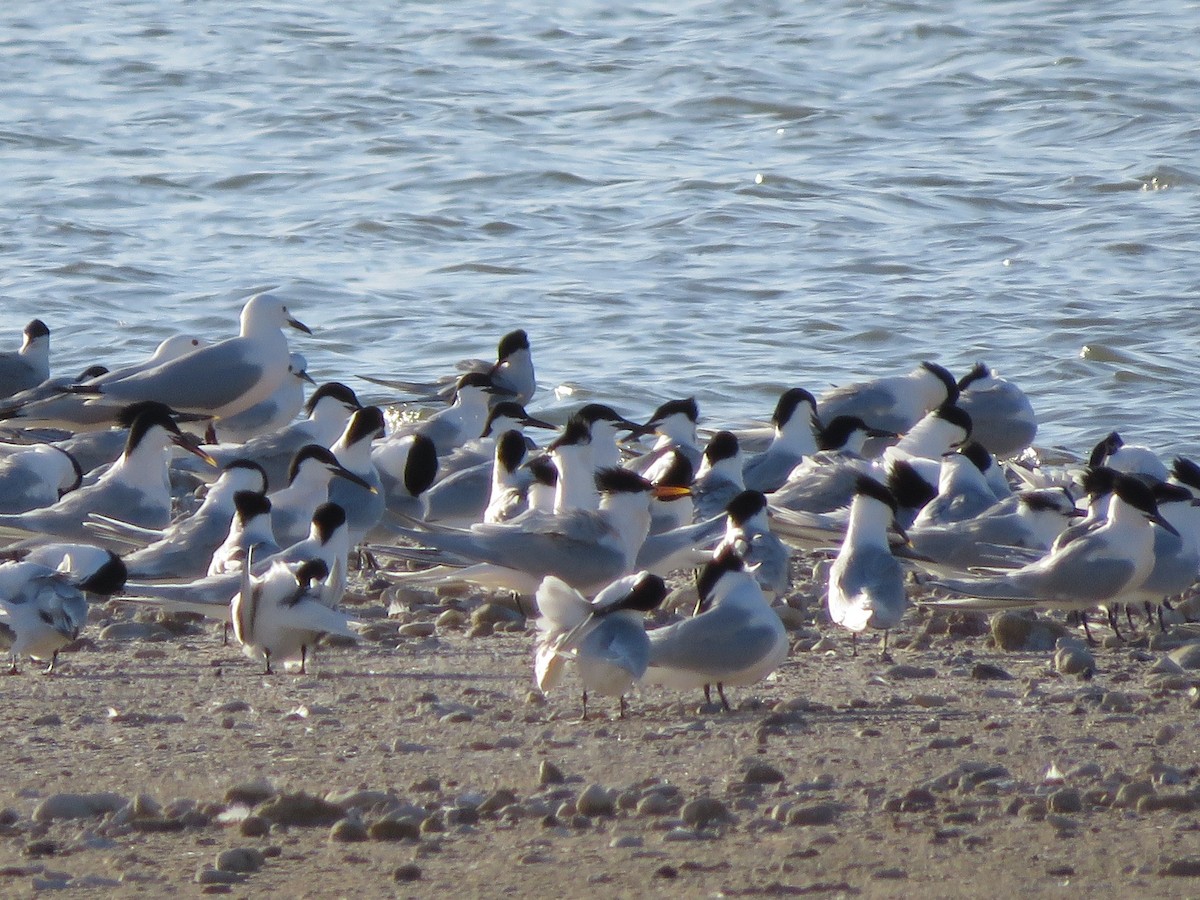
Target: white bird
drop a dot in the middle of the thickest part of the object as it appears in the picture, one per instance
(588, 549)
(892, 403)
(35, 476)
(134, 489)
(675, 424)
(734, 639)
(1133, 459)
(280, 616)
(292, 507)
(26, 368)
(43, 608)
(1100, 566)
(792, 441)
(182, 549)
(1002, 416)
(460, 422)
(476, 455)
(748, 534)
(824, 481)
(719, 478)
(272, 413)
(866, 583)
(220, 379)
(407, 467)
(605, 425)
(963, 492)
(603, 640)
(326, 414)
(508, 495)
(1176, 555)
(363, 499)
(675, 511)
(249, 530)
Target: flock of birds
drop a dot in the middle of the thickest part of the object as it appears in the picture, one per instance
(202, 480)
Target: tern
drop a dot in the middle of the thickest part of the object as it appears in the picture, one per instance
(1003, 417)
(26, 368)
(792, 441)
(292, 507)
(36, 476)
(892, 403)
(604, 639)
(734, 639)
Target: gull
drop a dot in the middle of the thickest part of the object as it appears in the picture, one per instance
(35, 476)
(292, 507)
(866, 583)
(735, 638)
(1003, 417)
(362, 499)
(43, 608)
(281, 614)
(604, 639)
(326, 413)
(1100, 566)
(134, 488)
(220, 379)
(26, 368)
(892, 403)
(588, 549)
(62, 409)
(184, 549)
(791, 441)
(272, 413)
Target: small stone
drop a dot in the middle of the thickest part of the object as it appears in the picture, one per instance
(667, 872)
(250, 793)
(496, 801)
(494, 614)
(596, 800)
(1072, 660)
(218, 876)
(40, 848)
(549, 773)
(761, 773)
(1177, 803)
(1013, 631)
(903, 672)
(705, 811)
(404, 829)
(133, 631)
(406, 873)
(989, 672)
(78, 806)
(418, 629)
(1165, 735)
(1187, 867)
(240, 859)
(891, 874)
(348, 831)
(47, 720)
(626, 842)
(301, 809)
(1116, 702)
(657, 804)
(1065, 800)
(1129, 794)
(1187, 657)
(813, 814)
(254, 826)
(451, 618)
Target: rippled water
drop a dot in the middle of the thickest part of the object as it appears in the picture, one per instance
(711, 198)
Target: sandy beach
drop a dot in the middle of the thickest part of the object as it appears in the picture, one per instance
(423, 762)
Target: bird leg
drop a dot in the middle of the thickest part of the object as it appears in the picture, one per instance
(13, 670)
(267, 654)
(583, 717)
(1149, 613)
(854, 644)
(1112, 622)
(1162, 626)
(225, 634)
(49, 670)
(1087, 631)
(303, 658)
(884, 656)
(1129, 615)
(708, 695)
(721, 694)
(622, 713)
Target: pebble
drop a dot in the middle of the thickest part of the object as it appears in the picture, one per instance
(403, 829)
(891, 874)
(240, 859)
(418, 629)
(596, 800)
(300, 809)
(407, 872)
(1186, 867)
(250, 793)
(1013, 631)
(549, 773)
(762, 773)
(1065, 800)
(1129, 794)
(495, 802)
(451, 618)
(1165, 735)
(989, 672)
(626, 842)
(1071, 660)
(901, 672)
(218, 876)
(78, 806)
(1187, 657)
(813, 814)
(134, 631)
(705, 811)
(348, 831)
(254, 826)
(657, 804)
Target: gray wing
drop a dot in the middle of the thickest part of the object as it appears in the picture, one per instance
(768, 471)
(16, 374)
(868, 581)
(873, 402)
(207, 378)
(461, 496)
(714, 643)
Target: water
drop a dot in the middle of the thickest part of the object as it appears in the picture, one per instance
(690, 198)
